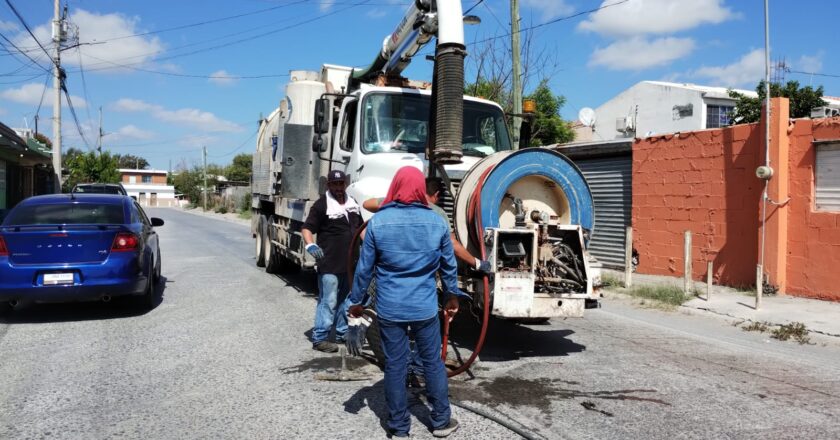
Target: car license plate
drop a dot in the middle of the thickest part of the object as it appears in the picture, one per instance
(58, 278)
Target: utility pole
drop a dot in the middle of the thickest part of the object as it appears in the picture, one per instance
(517, 68)
(204, 155)
(101, 133)
(58, 37)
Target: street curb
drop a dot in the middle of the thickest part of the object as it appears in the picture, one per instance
(716, 313)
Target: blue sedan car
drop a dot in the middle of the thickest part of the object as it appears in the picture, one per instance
(78, 247)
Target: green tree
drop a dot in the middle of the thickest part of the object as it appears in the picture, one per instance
(90, 168)
(240, 168)
(802, 100)
(189, 183)
(132, 161)
(548, 127)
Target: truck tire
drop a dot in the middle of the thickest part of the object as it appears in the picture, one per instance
(273, 259)
(374, 339)
(259, 248)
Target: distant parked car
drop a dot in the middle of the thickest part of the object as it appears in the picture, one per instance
(99, 188)
(78, 247)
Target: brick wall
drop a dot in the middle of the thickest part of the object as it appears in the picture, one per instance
(704, 182)
(813, 257)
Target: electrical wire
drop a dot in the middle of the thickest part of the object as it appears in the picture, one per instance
(205, 22)
(24, 53)
(84, 86)
(186, 75)
(237, 148)
(23, 22)
(43, 93)
(75, 117)
(473, 7)
(828, 75)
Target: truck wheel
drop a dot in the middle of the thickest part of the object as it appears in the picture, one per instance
(272, 257)
(260, 249)
(374, 339)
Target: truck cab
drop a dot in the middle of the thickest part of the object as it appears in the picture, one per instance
(381, 129)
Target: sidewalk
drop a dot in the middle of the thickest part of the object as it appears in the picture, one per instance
(821, 317)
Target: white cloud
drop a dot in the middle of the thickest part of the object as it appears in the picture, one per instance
(108, 30)
(131, 131)
(376, 13)
(185, 116)
(640, 17)
(8, 26)
(31, 93)
(748, 70)
(809, 63)
(639, 53)
(222, 78)
(198, 140)
(550, 8)
(326, 5)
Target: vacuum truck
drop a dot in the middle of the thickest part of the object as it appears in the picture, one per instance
(529, 212)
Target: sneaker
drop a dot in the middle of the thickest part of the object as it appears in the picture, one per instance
(325, 346)
(450, 427)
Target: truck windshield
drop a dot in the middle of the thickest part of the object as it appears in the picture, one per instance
(398, 123)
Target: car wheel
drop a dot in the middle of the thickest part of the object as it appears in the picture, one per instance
(260, 245)
(149, 299)
(5, 308)
(159, 268)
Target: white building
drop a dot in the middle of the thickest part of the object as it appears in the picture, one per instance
(148, 187)
(658, 107)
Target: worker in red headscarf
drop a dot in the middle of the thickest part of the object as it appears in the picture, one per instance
(406, 244)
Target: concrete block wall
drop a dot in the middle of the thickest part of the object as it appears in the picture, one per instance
(813, 253)
(704, 182)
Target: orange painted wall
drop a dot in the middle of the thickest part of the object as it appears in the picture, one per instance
(813, 257)
(702, 181)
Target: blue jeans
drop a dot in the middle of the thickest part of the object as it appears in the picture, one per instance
(395, 345)
(332, 307)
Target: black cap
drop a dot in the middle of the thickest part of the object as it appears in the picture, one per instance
(336, 176)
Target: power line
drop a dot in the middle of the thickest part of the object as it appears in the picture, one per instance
(230, 43)
(73, 112)
(43, 92)
(237, 148)
(186, 75)
(202, 23)
(24, 53)
(23, 22)
(828, 75)
(473, 7)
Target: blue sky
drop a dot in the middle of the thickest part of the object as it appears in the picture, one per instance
(158, 102)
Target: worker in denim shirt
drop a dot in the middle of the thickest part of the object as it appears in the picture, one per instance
(405, 246)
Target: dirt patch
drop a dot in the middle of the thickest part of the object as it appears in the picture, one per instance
(538, 393)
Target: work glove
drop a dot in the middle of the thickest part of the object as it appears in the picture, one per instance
(483, 266)
(315, 251)
(354, 339)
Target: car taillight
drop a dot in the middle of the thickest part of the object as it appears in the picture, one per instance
(4, 251)
(124, 241)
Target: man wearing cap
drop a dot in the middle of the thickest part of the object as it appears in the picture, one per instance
(334, 218)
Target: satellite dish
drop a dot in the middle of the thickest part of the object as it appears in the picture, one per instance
(586, 116)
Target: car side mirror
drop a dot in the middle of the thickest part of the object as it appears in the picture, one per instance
(318, 144)
(156, 221)
(322, 116)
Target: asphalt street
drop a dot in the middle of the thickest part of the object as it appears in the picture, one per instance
(226, 355)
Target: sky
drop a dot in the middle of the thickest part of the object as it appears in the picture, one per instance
(174, 76)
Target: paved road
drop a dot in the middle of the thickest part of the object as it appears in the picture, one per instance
(225, 355)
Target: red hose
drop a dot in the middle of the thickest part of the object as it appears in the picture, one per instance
(474, 215)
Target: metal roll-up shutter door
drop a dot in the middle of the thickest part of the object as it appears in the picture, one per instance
(609, 179)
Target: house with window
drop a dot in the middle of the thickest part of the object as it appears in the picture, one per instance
(148, 187)
(652, 108)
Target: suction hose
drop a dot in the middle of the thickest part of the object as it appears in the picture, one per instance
(475, 207)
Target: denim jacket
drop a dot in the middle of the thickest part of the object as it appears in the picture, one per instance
(404, 247)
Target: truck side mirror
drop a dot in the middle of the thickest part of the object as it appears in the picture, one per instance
(322, 116)
(318, 144)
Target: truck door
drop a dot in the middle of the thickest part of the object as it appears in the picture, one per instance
(345, 136)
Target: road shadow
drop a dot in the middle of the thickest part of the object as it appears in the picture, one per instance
(372, 397)
(117, 308)
(507, 340)
(304, 282)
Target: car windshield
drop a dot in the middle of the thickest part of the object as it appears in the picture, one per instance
(398, 123)
(97, 189)
(66, 214)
